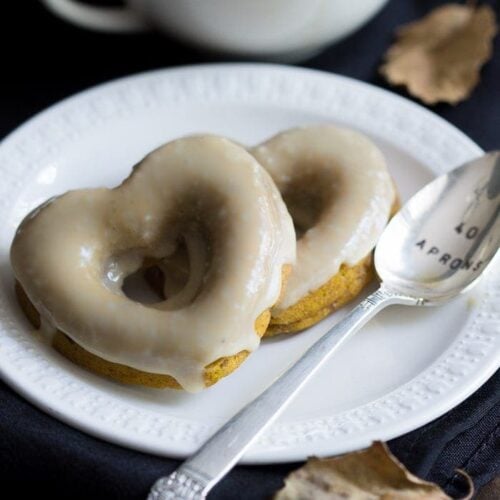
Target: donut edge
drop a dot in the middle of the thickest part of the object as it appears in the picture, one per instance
(126, 374)
(342, 288)
(338, 291)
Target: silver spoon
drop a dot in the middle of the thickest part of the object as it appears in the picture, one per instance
(436, 247)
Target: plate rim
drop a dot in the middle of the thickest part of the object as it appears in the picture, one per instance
(274, 455)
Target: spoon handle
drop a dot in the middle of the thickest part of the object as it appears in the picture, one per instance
(197, 475)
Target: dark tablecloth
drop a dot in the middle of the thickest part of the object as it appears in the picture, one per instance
(45, 60)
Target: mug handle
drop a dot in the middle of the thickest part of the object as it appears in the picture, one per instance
(107, 19)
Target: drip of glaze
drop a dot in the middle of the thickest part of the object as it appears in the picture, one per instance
(46, 331)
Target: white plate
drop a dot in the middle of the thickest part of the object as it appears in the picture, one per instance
(407, 367)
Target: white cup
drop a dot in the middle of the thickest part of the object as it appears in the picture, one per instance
(271, 29)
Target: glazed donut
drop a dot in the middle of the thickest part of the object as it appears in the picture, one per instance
(336, 186)
(71, 255)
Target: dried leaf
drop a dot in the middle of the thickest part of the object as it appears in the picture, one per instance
(438, 58)
(491, 491)
(373, 473)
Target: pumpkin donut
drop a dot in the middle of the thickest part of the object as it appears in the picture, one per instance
(336, 186)
(71, 255)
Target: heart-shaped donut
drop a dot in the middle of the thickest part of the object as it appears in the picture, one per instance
(71, 255)
(340, 195)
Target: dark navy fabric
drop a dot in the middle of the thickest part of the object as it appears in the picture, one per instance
(44, 60)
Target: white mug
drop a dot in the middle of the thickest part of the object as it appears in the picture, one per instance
(290, 29)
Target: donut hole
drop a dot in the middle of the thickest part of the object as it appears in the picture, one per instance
(307, 196)
(145, 285)
(174, 281)
(193, 239)
(179, 278)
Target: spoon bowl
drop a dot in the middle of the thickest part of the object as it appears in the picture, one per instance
(440, 242)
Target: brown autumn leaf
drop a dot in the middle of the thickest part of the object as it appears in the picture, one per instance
(370, 474)
(438, 58)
